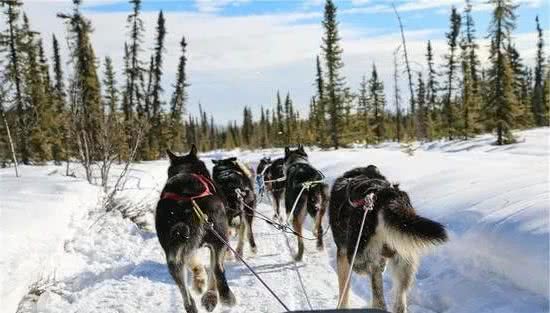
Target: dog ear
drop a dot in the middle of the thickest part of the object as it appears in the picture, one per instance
(287, 151)
(193, 151)
(233, 159)
(301, 148)
(216, 162)
(171, 155)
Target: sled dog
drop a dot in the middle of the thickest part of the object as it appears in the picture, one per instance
(392, 232)
(313, 199)
(181, 232)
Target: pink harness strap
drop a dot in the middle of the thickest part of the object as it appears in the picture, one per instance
(208, 188)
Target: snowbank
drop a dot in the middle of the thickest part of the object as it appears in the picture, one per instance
(38, 212)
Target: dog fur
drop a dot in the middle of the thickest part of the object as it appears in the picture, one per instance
(313, 201)
(231, 175)
(393, 233)
(181, 234)
(273, 170)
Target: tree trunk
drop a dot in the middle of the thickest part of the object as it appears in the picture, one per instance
(11, 144)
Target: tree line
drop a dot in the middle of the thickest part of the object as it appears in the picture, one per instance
(75, 109)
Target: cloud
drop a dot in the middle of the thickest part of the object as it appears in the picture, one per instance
(243, 60)
(212, 6)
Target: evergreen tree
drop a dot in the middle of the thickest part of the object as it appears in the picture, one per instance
(111, 94)
(156, 92)
(14, 36)
(472, 46)
(320, 110)
(60, 149)
(538, 104)
(36, 96)
(334, 82)
(178, 101)
(59, 85)
(451, 68)
(377, 102)
(470, 98)
(85, 85)
(364, 109)
(289, 117)
(502, 103)
(280, 121)
(432, 86)
(135, 69)
(424, 119)
(522, 88)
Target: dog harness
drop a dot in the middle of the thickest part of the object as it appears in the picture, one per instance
(206, 183)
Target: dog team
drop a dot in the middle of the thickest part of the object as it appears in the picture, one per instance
(373, 222)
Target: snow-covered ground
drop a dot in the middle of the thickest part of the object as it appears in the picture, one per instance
(495, 202)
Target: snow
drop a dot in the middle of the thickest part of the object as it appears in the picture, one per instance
(494, 201)
(37, 213)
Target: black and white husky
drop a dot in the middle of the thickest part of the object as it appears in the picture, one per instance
(392, 232)
(232, 177)
(313, 200)
(271, 173)
(181, 233)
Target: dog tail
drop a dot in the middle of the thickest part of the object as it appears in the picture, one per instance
(410, 234)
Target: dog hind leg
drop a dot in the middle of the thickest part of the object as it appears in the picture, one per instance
(241, 234)
(177, 270)
(210, 298)
(297, 223)
(343, 267)
(403, 272)
(226, 295)
(249, 219)
(377, 285)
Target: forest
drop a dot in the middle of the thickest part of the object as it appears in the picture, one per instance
(78, 109)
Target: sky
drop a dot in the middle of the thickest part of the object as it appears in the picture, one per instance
(241, 52)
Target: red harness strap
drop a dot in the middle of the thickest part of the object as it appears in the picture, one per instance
(209, 188)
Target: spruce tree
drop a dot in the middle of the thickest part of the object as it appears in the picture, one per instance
(320, 107)
(289, 117)
(522, 87)
(432, 86)
(451, 68)
(14, 36)
(364, 109)
(85, 85)
(60, 149)
(135, 69)
(502, 103)
(111, 94)
(470, 100)
(156, 92)
(537, 102)
(334, 82)
(280, 122)
(423, 116)
(377, 103)
(178, 101)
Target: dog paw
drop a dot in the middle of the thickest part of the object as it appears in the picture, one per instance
(191, 307)
(298, 257)
(254, 250)
(239, 252)
(209, 300)
(199, 284)
(229, 299)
